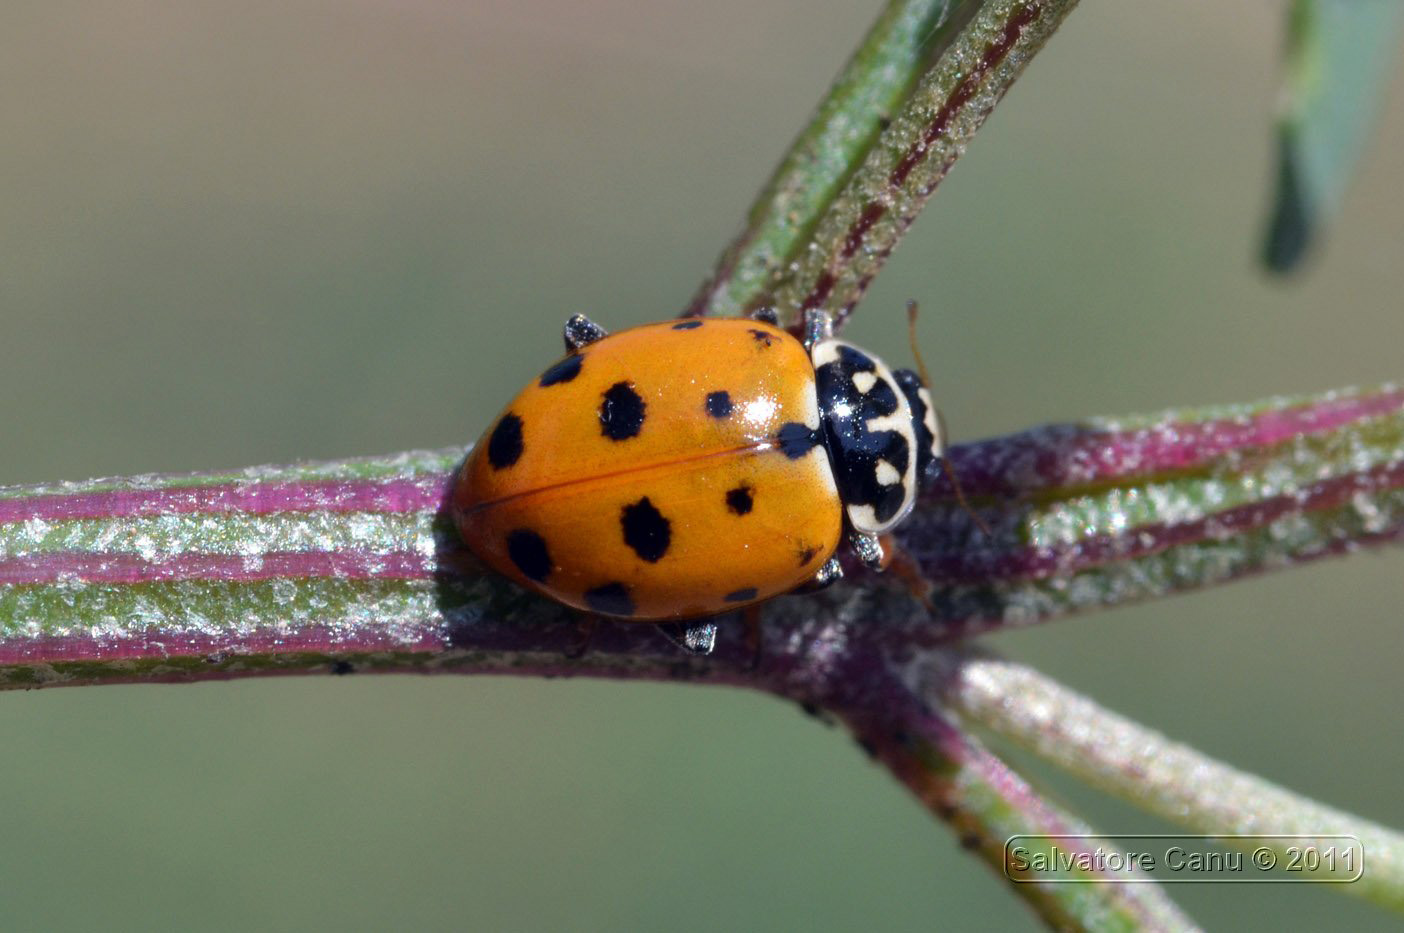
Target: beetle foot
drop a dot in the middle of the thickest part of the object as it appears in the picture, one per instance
(580, 332)
(869, 550)
(818, 326)
(829, 573)
(697, 638)
(766, 316)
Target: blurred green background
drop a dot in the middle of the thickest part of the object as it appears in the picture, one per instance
(257, 232)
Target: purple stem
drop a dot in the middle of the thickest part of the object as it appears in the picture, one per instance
(417, 597)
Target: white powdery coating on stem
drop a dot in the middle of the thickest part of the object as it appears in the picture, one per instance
(1163, 776)
(228, 533)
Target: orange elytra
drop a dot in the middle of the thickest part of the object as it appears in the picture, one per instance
(686, 468)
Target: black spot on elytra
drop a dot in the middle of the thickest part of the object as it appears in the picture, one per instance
(796, 439)
(739, 500)
(612, 599)
(505, 444)
(745, 594)
(621, 412)
(528, 551)
(687, 325)
(719, 404)
(646, 530)
(807, 555)
(763, 337)
(564, 371)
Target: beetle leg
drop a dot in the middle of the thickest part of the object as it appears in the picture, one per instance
(818, 325)
(766, 315)
(586, 628)
(829, 573)
(905, 568)
(751, 618)
(697, 638)
(580, 332)
(868, 548)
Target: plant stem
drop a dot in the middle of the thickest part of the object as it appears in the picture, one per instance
(354, 566)
(1165, 777)
(355, 562)
(986, 804)
(861, 102)
(862, 226)
(898, 116)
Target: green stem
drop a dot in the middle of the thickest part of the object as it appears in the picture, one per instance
(860, 228)
(1165, 777)
(859, 105)
(900, 113)
(987, 804)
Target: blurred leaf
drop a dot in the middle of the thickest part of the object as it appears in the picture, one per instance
(1339, 58)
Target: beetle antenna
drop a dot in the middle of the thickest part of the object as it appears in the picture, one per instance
(960, 497)
(912, 311)
(911, 339)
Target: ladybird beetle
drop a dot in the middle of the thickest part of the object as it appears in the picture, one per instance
(686, 468)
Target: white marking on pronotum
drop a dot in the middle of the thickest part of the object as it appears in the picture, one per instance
(933, 424)
(899, 422)
(825, 351)
(863, 517)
